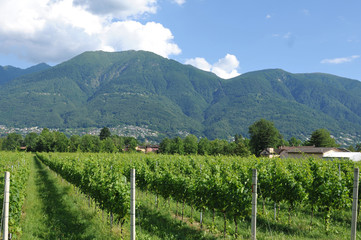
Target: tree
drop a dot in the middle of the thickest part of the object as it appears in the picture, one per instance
(30, 141)
(62, 143)
(46, 141)
(86, 143)
(190, 144)
(165, 146)
(322, 138)
(12, 142)
(358, 147)
(104, 133)
(108, 145)
(204, 146)
(294, 142)
(74, 143)
(263, 134)
(177, 146)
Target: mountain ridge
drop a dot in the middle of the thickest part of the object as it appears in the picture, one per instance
(96, 89)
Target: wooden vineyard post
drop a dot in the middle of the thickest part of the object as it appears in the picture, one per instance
(132, 204)
(354, 204)
(201, 213)
(254, 204)
(6, 206)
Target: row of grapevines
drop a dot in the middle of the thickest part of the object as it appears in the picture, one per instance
(224, 184)
(97, 175)
(18, 164)
(220, 184)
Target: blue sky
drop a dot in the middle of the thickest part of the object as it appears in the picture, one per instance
(228, 37)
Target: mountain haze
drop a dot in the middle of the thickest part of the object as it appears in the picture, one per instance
(97, 89)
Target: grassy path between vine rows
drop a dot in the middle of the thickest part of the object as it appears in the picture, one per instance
(53, 211)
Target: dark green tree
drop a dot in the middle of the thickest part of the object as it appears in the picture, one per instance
(204, 146)
(74, 143)
(177, 146)
(62, 143)
(132, 144)
(190, 144)
(358, 147)
(30, 141)
(46, 141)
(218, 147)
(263, 134)
(165, 146)
(322, 138)
(104, 133)
(12, 142)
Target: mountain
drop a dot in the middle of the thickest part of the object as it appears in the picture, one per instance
(97, 89)
(8, 73)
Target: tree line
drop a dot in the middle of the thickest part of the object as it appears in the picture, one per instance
(262, 134)
(48, 141)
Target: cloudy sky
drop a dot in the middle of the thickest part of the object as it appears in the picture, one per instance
(228, 37)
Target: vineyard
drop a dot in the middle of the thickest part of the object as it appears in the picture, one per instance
(303, 197)
(18, 166)
(221, 185)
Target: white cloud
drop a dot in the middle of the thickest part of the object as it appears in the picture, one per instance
(268, 16)
(180, 2)
(200, 63)
(340, 60)
(55, 30)
(134, 35)
(118, 8)
(225, 67)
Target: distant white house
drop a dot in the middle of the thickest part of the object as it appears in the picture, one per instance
(318, 152)
(354, 156)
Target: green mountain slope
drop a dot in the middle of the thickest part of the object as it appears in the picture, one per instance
(9, 73)
(97, 89)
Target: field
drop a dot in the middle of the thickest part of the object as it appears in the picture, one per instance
(86, 196)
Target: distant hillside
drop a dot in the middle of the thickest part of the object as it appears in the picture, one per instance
(139, 88)
(8, 73)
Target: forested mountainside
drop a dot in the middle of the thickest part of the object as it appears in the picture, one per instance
(97, 89)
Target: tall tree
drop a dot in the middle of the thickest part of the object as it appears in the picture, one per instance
(263, 134)
(165, 146)
(204, 146)
(177, 146)
(190, 144)
(30, 141)
(322, 138)
(12, 142)
(104, 133)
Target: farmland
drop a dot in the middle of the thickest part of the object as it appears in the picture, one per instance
(297, 199)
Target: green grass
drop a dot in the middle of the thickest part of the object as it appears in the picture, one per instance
(53, 210)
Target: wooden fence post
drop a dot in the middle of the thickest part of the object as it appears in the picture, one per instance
(254, 204)
(354, 204)
(132, 204)
(6, 206)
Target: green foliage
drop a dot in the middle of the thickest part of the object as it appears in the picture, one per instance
(12, 142)
(18, 165)
(104, 133)
(142, 89)
(322, 138)
(263, 134)
(190, 144)
(294, 142)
